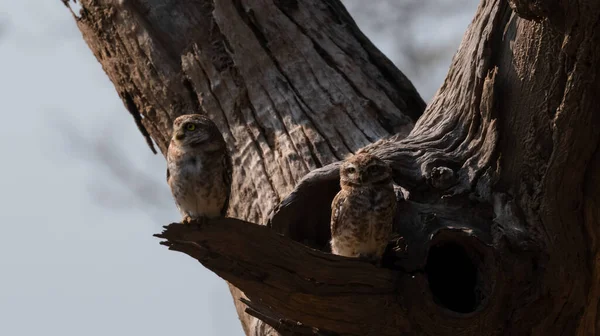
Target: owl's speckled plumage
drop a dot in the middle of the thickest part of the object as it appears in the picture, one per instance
(199, 168)
(362, 212)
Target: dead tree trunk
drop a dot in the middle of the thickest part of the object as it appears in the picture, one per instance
(501, 221)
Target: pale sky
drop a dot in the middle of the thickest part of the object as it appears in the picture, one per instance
(77, 256)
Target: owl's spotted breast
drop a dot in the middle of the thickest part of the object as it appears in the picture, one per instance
(199, 188)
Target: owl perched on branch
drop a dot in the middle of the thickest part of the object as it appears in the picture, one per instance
(199, 168)
(362, 212)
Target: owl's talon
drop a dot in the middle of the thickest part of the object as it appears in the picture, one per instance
(198, 221)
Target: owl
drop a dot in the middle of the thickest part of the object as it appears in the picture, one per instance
(362, 212)
(199, 168)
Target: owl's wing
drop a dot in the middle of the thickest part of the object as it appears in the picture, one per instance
(337, 212)
(227, 178)
(168, 174)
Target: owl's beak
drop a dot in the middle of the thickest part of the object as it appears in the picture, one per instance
(179, 135)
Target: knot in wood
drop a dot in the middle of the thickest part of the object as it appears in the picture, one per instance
(442, 177)
(534, 10)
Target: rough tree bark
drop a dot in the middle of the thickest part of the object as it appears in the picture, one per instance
(500, 210)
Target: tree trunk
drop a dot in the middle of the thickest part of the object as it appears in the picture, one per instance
(500, 210)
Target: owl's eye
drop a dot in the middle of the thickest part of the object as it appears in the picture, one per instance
(190, 127)
(350, 170)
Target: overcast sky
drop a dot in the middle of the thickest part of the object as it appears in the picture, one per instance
(77, 256)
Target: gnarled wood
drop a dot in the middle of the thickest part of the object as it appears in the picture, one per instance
(511, 131)
(297, 282)
(499, 207)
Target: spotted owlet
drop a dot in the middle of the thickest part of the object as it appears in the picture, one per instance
(363, 211)
(198, 168)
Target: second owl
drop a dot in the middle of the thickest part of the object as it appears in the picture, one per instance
(362, 212)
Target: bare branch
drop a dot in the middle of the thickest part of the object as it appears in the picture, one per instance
(300, 283)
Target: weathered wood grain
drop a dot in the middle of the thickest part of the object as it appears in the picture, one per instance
(499, 212)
